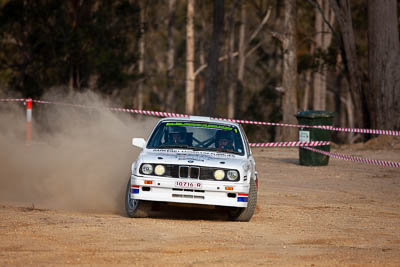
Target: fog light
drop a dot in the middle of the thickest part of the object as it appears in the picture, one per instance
(159, 170)
(219, 175)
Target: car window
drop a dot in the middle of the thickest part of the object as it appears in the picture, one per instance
(246, 141)
(197, 136)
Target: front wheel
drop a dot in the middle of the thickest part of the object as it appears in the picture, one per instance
(245, 214)
(134, 208)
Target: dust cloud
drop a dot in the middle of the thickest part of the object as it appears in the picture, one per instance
(79, 158)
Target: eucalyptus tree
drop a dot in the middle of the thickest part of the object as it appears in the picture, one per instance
(212, 72)
(190, 77)
(322, 41)
(350, 60)
(384, 66)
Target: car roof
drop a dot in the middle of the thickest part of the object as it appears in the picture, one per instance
(200, 119)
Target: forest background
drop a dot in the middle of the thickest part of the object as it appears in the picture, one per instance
(261, 60)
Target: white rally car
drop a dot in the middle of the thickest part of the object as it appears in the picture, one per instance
(195, 160)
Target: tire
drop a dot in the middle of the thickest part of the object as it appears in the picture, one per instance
(134, 208)
(245, 214)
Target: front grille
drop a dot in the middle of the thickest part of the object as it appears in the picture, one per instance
(172, 171)
(184, 172)
(191, 172)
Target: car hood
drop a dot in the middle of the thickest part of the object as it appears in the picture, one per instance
(188, 157)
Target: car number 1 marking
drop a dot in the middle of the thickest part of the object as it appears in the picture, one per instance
(187, 184)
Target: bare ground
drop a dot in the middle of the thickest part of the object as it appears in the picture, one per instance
(341, 214)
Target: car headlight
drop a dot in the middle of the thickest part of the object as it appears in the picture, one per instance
(232, 175)
(147, 168)
(219, 175)
(159, 170)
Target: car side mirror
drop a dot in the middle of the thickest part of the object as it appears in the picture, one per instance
(139, 142)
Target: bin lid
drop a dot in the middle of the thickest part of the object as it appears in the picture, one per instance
(315, 114)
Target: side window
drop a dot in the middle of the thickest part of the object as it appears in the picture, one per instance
(156, 138)
(238, 142)
(245, 140)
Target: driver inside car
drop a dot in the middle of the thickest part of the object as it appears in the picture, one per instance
(176, 136)
(224, 140)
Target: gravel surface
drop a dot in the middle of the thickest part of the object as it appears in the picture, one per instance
(345, 214)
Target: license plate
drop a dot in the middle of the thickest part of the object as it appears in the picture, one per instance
(188, 184)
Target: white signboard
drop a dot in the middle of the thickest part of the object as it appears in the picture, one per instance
(304, 136)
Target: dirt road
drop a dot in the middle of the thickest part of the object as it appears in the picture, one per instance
(342, 214)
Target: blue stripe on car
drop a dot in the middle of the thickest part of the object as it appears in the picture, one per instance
(242, 199)
(135, 190)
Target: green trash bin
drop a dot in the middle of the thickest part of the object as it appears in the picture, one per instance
(314, 117)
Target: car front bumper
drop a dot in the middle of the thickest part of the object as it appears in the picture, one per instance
(219, 193)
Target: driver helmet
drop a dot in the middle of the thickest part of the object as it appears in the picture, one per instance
(224, 139)
(177, 134)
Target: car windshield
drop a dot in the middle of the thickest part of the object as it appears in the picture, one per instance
(197, 136)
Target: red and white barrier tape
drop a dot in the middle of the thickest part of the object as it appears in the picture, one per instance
(324, 127)
(12, 99)
(265, 123)
(136, 111)
(169, 114)
(152, 113)
(367, 131)
(291, 144)
(357, 159)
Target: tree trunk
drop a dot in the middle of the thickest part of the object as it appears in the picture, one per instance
(200, 102)
(350, 117)
(212, 75)
(230, 69)
(307, 82)
(343, 103)
(350, 61)
(323, 38)
(190, 82)
(241, 60)
(289, 79)
(318, 86)
(141, 58)
(71, 79)
(170, 93)
(384, 68)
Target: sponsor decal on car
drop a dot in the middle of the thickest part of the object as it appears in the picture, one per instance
(242, 197)
(205, 125)
(179, 152)
(135, 189)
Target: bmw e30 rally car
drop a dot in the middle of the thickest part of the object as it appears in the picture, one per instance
(195, 160)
